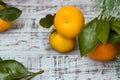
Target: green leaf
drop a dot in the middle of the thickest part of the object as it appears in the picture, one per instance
(102, 30)
(114, 37)
(87, 39)
(116, 29)
(48, 21)
(13, 70)
(10, 13)
(115, 21)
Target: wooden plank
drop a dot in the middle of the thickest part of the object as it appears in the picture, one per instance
(26, 34)
(63, 67)
(27, 42)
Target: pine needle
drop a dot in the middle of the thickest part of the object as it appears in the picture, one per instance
(107, 8)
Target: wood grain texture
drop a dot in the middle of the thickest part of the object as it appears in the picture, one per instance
(27, 42)
(63, 67)
(27, 35)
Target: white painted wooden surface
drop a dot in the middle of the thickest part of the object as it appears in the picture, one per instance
(26, 35)
(68, 67)
(28, 43)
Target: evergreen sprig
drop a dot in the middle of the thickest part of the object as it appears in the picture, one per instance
(107, 8)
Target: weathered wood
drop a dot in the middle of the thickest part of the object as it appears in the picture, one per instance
(26, 34)
(27, 42)
(69, 67)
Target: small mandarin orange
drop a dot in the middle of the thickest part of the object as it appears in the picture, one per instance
(104, 52)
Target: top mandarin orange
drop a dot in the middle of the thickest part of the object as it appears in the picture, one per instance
(69, 21)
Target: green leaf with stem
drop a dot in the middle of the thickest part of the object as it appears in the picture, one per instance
(114, 37)
(47, 21)
(10, 13)
(102, 30)
(35, 74)
(87, 39)
(115, 21)
(14, 70)
(116, 29)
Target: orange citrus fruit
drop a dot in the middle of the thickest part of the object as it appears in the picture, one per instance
(60, 43)
(104, 52)
(69, 21)
(4, 25)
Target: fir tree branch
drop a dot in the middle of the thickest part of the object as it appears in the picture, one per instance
(107, 8)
